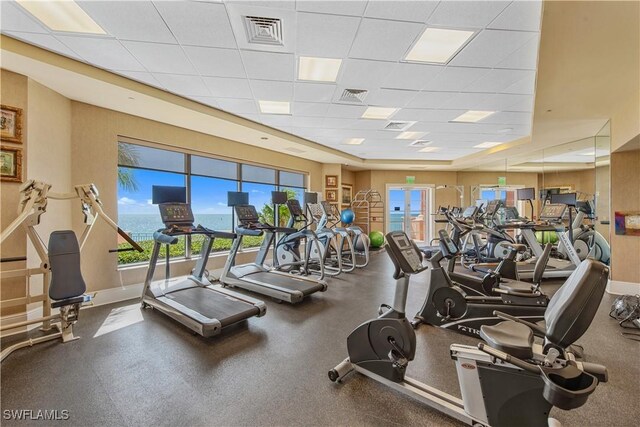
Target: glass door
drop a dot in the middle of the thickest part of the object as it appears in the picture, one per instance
(409, 212)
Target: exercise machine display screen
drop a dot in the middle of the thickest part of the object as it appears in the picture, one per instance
(552, 212)
(294, 207)
(406, 254)
(492, 207)
(247, 214)
(526, 193)
(470, 212)
(568, 199)
(176, 213)
(446, 244)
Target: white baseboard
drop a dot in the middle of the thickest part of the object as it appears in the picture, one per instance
(617, 287)
(121, 293)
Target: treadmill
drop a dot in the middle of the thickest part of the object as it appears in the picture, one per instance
(255, 276)
(193, 301)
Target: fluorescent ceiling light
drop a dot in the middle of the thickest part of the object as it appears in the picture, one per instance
(411, 135)
(428, 149)
(62, 16)
(274, 107)
(472, 116)
(487, 144)
(438, 45)
(590, 153)
(353, 141)
(318, 69)
(379, 113)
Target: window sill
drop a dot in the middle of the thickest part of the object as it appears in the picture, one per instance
(221, 254)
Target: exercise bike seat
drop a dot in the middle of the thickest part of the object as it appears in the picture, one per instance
(519, 248)
(516, 286)
(513, 338)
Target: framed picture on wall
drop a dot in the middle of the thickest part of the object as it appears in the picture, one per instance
(10, 164)
(347, 194)
(331, 181)
(627, 223)
(331, 195)
(11, 124)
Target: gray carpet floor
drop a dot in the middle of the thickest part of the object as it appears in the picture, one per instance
(135, 367)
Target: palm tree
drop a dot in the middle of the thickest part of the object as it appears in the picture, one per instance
(127, 156)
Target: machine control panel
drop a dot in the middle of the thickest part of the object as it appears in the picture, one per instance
(492, 207)
(403, 250)
(247, 214)
(294, 207)
(446, 244)
(470, 212)
(176, 213)
(553, 212)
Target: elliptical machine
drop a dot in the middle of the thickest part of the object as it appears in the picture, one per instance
(508, 381)
(359, 238)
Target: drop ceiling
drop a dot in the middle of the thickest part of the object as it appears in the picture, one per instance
(201, 50)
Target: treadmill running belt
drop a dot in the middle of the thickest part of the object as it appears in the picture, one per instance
(287, 282)
(214, 305)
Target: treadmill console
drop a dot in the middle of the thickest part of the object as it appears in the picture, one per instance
(328, 209)
(492, 207)
(177, 215)
(247, 215)
(404, 252)
(470, 212)
(294, 207)
(447, 246)
(553, 212)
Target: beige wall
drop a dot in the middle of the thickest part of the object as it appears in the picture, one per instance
(625, 197)
(584, 180)
(13, 93)
(470, 179)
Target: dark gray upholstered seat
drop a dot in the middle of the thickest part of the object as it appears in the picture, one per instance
(513, 338)
(67, 285)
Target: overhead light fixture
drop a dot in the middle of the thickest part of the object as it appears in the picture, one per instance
(62, 16)
(590, 153)
(379, 113)
(438, 45)
(274, 107)
(505, 130)
(411, 135)
(353, 141)
(487, 144)
(473, 116)
(428, 149)
(318, 69)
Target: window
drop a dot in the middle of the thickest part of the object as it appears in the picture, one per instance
(207, 180)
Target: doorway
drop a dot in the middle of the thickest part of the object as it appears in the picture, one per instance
(409, 208)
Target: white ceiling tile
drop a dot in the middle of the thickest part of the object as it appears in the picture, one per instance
(333, 123)
(105, 53)
(484, 101)
(238, 106)
(309, 109)
(216, 62)
(416, 11)
(45, 41)
(15, 18)
(508, 118)
(455, 79)
(365, 124)
(326, 36)
(524, 86)
(143, 77)
(490, 47)
(268, 65)
(307, 122)
(289, 4)
(276, 120)
(351, 7)
(224, 87)
(497, 80)
(426, 115)
(160, 58)
(384, 40)
(270, 90)
(129, 20)
(198, 23)
(313, 92)
(362, 74)
(519, 15)
(390, 97)
(207, 100)
(525, 58)
(410, 76)
(432, 100)
(469, 14)
(346, 111)
(183, 85)
(524, 103)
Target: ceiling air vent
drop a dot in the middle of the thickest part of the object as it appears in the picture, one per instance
(261, 30)
(420, 143)
(353, 96)
(398, 126)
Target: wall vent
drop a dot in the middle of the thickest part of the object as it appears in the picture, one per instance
(261, 30)
(420, 143)
(398, 126)
(353, 96)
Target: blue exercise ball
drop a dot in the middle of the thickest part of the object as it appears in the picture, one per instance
(347, 216)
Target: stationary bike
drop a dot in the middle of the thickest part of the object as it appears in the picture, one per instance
(448, 306)
(508, 381)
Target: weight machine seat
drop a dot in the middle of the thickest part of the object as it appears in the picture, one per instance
(513, 338)
(64, 260)
(70, 301)
(516, 286)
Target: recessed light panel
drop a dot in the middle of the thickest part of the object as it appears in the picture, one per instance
(318, 69)
(62, 16)
(274, 107)
(428, 149)
(411, 135)
(473, 116)
(438, 45)
(379, 113)
(487, 145)
(353, 141)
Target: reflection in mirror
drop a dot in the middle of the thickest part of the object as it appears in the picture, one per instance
(603, 203)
